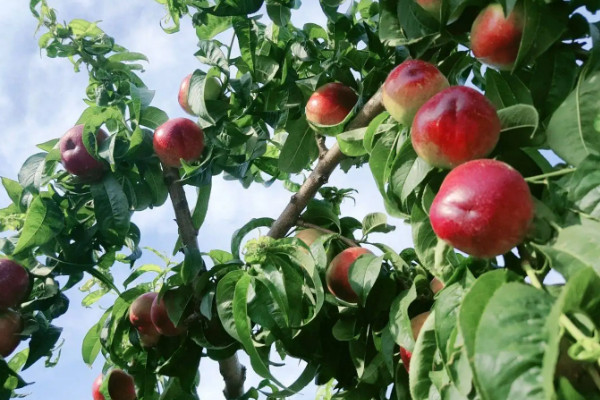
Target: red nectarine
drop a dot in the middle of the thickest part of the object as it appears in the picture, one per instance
(11, 325)
(337, 274)
(75, 157)
(176, 139)
(456, 125)
(483, 207)
(14, 284)
(161, 320)
(330, 104)
(495, 38)
(139, 316)
(409, 86)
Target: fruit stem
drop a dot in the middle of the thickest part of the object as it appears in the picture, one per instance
(532, 275)
(542, 178)
(344, 239)
(570, 327)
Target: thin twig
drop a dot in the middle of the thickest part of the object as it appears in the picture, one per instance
(344, 239)
(321, 145)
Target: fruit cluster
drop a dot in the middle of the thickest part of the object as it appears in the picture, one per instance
(148, 314)
(14, 289)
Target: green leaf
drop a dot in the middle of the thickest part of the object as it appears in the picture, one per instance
(111, 209)
(363, 274)
(279, 14)
(300, 143)
(573, 131)
(153, 117)
(209, 53)
(212, 26)
(376, 222)
(13, 189)
(41, 344)
(474, 303)
(508, 352)
(91, 346)
(546, 22)
(505, 90)
(201, 207)
(415, 21)
(400, 326)
(44, 221)
(432, 252)
(247, 39)
(244, 331)
(583, 187)
(225, 294)
(421, 362)
(576, 247)
(33, 171)
(192, 265)
(153, 176)
(351, 142)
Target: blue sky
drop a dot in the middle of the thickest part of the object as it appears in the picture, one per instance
(41, 98)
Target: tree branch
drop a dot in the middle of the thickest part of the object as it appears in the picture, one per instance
(320, 175)
(234, 373)
(321, 145)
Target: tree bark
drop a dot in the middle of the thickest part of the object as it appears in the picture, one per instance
(233, 372)
(320, 175)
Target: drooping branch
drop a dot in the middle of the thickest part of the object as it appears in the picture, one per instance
(233, 372)
(320, 175)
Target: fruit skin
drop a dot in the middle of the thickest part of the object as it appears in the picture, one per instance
(76, 159)
(456, 125)
(139, 316)
(483, 207)
(14, 284)
(330, 104)
(416, 324)
(11, 325)
(433, 7)
(160, 318)
(308, 236)
(495, 40)
(120, 386)
(436, 285)
(182, 97)
(178, 138)
(212, 91)
(409, 86)
(337, 274)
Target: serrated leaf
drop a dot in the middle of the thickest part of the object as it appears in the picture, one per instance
(300, 143)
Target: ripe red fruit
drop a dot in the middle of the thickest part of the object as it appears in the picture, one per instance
(176, 139)
(120, 386)
(409, 86)
(456, 125)
(75, 157)
(14, 284)
(416, 324)
(139, 316)
(337, 274)
(182, 97)
(11, 325)
(161, 320)
(495, 39)
(483, 208)
(330, 104)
